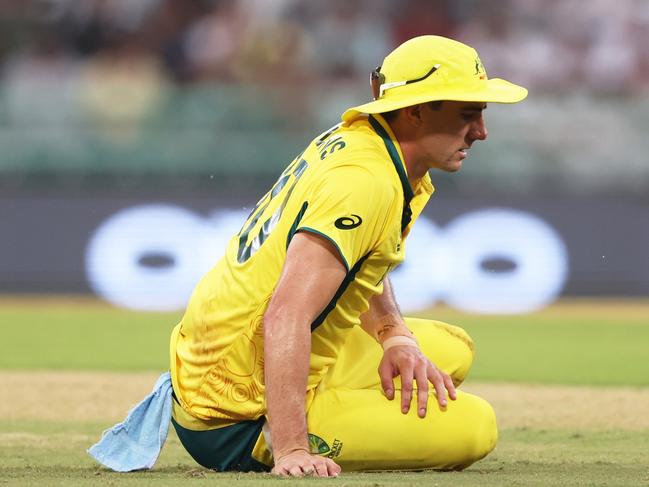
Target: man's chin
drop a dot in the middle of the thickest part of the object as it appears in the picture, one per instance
(454, 167)
(448, 166)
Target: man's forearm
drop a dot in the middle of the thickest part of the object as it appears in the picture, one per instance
(287, 346)
(383, 320)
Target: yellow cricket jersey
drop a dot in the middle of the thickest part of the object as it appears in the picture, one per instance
(349, 186)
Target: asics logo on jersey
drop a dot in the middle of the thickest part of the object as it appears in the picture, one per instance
(348, 222)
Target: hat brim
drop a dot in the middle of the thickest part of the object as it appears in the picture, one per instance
(495, 90)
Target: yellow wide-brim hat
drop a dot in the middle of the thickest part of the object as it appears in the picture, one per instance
(432, 68)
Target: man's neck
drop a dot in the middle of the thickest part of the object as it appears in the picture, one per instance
(414, 168)
(416, 171)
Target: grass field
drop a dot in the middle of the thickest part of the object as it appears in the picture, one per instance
(570, 386)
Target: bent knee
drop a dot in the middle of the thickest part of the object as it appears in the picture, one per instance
(465, 351)
(448, 346)
(483, 434)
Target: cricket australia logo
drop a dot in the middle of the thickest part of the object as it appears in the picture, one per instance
(479, 68)
(318, 446)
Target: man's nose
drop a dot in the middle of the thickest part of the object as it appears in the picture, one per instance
(479, 130)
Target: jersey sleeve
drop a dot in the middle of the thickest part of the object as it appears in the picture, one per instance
(351, 208)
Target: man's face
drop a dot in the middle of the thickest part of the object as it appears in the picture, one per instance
(448, 132)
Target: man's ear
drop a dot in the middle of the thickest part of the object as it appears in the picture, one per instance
(413, 114)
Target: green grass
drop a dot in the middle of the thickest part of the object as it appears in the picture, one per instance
(584, 345)
(589, 343)
(53, 454)
(84, 338)
(544, 349)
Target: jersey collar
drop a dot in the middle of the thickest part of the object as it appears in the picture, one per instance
(382, 128)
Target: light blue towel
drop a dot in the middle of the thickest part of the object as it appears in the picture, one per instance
(136, 443)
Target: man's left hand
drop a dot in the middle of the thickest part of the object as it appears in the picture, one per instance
(412, 365)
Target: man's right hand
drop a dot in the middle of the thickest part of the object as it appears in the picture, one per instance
(413, 366)
(299, 463)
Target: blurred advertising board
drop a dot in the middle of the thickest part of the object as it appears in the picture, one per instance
(483, 255)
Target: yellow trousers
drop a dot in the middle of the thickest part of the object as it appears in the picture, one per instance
(351, 421)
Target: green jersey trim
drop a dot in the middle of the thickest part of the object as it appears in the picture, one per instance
(327, 237)
(296, 222)
(399, 165)
(349, 278)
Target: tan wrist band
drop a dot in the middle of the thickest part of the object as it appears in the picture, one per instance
(388, 325)
(398, 341)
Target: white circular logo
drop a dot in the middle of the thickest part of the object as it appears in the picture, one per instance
(151, 257)
(496, 260)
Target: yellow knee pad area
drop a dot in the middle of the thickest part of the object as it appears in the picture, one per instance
(449, 347)
(362, 430)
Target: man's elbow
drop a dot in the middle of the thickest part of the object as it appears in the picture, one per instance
(284, 323)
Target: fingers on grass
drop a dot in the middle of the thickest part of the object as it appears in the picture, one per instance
(323, 467)
(333, 469)
(321, 470)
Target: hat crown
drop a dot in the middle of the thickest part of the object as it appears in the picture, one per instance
(432, 68)
(459, 64)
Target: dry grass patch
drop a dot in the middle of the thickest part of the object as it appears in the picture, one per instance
(567, 407)
(107, 397)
